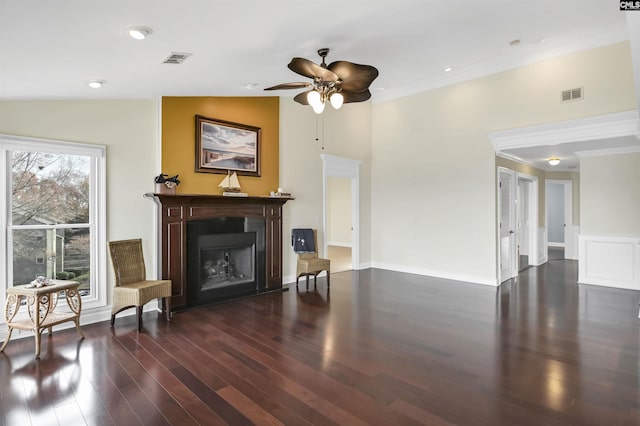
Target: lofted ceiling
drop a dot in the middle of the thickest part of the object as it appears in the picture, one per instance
(52, 49)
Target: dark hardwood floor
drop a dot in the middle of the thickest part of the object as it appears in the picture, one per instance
(385, 348)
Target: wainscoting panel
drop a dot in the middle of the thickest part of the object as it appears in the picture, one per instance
(609, 261)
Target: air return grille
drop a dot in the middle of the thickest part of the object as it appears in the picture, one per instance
(571, 94)
(176, 58)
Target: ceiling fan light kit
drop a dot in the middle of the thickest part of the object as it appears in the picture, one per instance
(339, 82)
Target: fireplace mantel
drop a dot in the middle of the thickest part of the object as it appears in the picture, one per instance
(175, 211)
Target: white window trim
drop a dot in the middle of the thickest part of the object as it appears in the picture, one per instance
(98, 296)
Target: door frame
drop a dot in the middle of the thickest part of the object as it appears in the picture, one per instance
(348, 168)
(534, 258)
(513, 267)
(532, 195)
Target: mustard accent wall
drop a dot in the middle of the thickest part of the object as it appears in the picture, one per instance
(178, 140)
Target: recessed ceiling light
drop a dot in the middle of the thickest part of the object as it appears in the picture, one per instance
(448, 69)
(250, 86)
(514, 42)
(96, 84)
(140, 33)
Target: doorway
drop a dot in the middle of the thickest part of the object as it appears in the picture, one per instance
(506, 224)
(559, 218)
(341, 211)
(339, 224)
(523, 223)
(518, 235)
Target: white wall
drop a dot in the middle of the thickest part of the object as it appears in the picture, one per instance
(610, 195)
(345, 133)
(609, 242)
(129, 130)
(433, 175)
(339, 210)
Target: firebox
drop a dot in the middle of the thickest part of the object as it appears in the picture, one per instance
(225, 258)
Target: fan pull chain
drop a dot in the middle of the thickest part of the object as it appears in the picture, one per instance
(320, 130)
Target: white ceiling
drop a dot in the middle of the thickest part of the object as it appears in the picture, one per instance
(51, 49)
(570, 153)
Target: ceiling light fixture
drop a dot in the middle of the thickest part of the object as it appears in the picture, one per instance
(96, 84)
(140, 33)
(554, 161)
(448, 69)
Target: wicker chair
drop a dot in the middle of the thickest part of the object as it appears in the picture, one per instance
(311, 264)
(132, 289)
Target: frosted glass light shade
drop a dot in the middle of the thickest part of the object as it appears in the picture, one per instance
(313, 98)
(554, 161)
(318, 108)
(336, 100)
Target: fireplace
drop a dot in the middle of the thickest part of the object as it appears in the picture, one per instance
(215, 248)
(225, 258)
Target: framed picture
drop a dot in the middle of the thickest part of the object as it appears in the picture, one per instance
(223, 146)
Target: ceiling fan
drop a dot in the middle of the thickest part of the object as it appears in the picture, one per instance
(339, 82)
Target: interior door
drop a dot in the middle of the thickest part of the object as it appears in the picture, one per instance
(506, 204)
(522, 224)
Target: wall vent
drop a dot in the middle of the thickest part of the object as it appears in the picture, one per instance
(176, 58)
(571, 94)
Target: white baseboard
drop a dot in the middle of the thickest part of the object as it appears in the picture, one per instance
(365, 265)
(550, 244)
(91, 316)
(473, 279)
(610, 261)
(338, 244)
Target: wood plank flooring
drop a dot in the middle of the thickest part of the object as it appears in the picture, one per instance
(382, 348)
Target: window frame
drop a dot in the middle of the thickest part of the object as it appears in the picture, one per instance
(97, 210)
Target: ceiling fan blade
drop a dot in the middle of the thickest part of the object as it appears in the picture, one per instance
(284, 86)
(355, 77)
(356, 96)
(301, 98)
(310, 69)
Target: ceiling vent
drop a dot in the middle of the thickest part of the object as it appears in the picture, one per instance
(572, 94)
(176, 58)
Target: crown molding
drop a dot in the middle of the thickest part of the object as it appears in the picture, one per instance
(583, 129)
(526, 55)
(610, 151)
(514, 158)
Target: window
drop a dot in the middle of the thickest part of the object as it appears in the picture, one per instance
(54, 221)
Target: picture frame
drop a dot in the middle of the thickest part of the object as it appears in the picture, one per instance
(224, 146)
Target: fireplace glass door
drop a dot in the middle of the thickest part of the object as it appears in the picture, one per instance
(221, 267)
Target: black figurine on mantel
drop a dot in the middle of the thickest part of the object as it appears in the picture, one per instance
(164, 181)
(162, 178)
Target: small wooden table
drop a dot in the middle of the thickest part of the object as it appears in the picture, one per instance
(41, 303)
